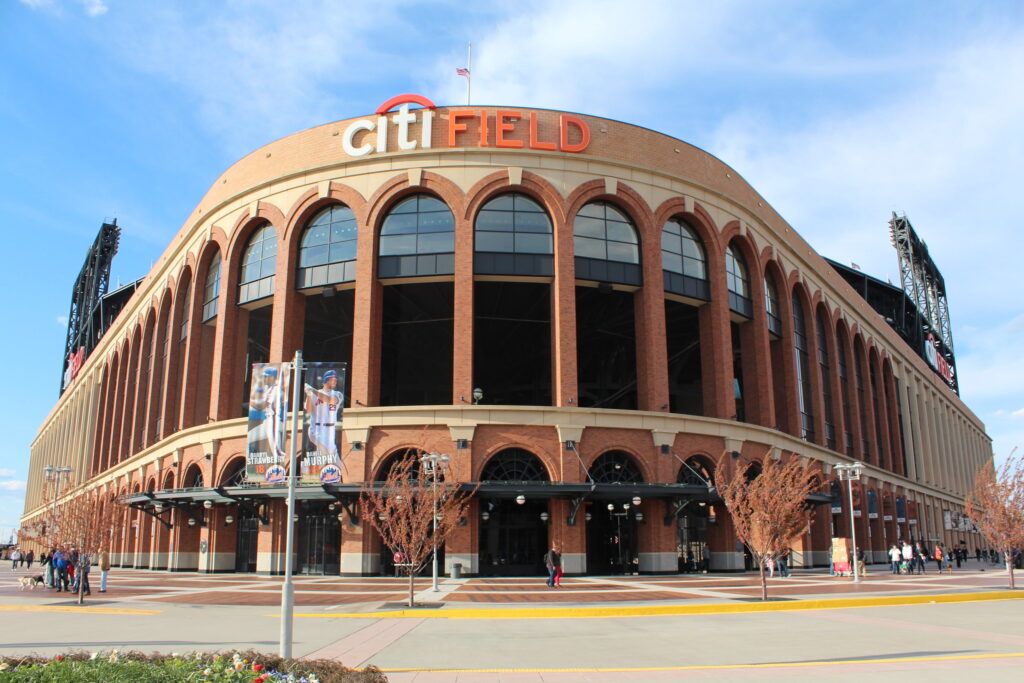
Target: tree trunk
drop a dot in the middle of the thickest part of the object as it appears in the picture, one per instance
(1008, 556)
(764, 581)
(412, 582)
(81, 586)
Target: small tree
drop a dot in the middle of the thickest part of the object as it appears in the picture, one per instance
(996, 507)
(402, 510)
(87, 521)
(768, 509)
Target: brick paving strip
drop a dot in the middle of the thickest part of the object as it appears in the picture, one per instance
(360, 646)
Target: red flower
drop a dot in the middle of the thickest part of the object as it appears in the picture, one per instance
(257, 667)
(59, 658)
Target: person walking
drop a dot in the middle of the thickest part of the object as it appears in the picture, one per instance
(82, 573)
(44, 561)
(908, 558)
(783, 563)
(938, 556)
(104, 570)
(920, 558)
(553, 562)
(895, 555)
(30, 556)
(15, 558)
(60, 570)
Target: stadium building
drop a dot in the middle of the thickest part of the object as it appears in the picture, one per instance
(583, 314)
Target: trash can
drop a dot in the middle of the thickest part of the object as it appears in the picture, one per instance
(456, 570)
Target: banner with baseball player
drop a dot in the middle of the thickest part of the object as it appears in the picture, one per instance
(266, 460)
(324, 398)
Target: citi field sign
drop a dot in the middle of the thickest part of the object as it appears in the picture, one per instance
(502, 128)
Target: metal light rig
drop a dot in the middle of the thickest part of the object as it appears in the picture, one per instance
(923, 284)
(85, 319)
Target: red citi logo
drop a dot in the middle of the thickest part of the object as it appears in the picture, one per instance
(466, 127)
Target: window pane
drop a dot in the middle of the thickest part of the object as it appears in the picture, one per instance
(397, 245)
(437, 222)
(533, 244)
(428, 203)
(343, 251)
(627, 253)
(588, 227)
(401, 224)
(694, 269)
(590, 248)
(436, 242)
(614, 214)
(505, 202)
(592, 210)
(669, 242)
(313, 256)
(532, 222)
(316, 236)
(343, 231)
(495, 220)
(620, 232)
(494, 241)
(405, 206)
(672, 262)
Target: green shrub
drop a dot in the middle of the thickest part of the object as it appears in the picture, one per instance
(137, 667)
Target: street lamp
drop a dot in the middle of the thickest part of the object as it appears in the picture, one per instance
(55, 474)
(434, 464)
(851, 473)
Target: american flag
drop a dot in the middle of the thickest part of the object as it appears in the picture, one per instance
(462, 72)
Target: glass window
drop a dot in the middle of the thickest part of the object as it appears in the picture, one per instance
(418, 225)
(330, 237)
(682, 251)
(736, 273)
(260, 257)
(771, 305)
(603, 232)
(826, 383)
(211, 291)
(502, 222)
(803, 373)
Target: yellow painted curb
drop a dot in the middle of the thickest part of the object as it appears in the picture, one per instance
(701, 667)
(668, 610)
(77, 608)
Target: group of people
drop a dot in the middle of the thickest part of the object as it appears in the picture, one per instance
(65, 569)
(781, 562)
(553, 562)
(20, 558)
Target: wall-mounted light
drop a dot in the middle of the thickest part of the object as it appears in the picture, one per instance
(462, 444)
(228, 519)
(357, 445)
(544, 516)
(520, 499)
(611, 507)
(588, 517)
(636, 500)
(666, 449)
(207, 504)
(570, 445)
(485, 516)
(639, 516)
(381, 516)
(478, 395)
(191, 521)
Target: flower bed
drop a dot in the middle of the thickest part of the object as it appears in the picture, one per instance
(136, 667)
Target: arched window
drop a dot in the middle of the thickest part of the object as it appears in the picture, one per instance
(397, 458)
(194, 478)
(771, 305)
(514, 464)
(606, 245)
(801, 348)
(824, 365)
(872, 504)
(615, 467)
(844, 391)
(683, 260)
(211, 291)
(513, 224)
(259, 263)
(695, 472)
(234, 474)
(417, 238)
(327, 250)
(738, 282)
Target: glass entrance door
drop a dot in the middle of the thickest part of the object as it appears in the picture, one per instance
(612, 540)
(513, 538)
(319, 543)
(693, 543)
(245, 547)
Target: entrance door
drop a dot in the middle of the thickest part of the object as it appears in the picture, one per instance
(319, 540)
(612, 540)
(513, 538)
(693, 543)
(245, 549)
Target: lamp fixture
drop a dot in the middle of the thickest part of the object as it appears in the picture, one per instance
(544, 516)
(611, 507)
(207, 504)
(588, 517)
(478, 395)
(636, 500)
(639, 516)
(191, 521)
(357, 445)
(228, 519)
(485, 516)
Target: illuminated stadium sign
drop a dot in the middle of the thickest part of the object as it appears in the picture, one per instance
(504, 128)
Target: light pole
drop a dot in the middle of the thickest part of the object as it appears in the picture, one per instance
(55, 474)
(432, 464)
(849, 474)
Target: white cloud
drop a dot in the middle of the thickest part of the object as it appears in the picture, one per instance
(12, 486)
(6, 472)
(61, 320)
(1018, 413)
(94, 8)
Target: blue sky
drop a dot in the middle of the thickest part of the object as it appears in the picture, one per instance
(837, 112)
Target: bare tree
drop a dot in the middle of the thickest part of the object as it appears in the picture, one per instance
(87, 521)
(402, 510)
(767, 509)
(996, 507)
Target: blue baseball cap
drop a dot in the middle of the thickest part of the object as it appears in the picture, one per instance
(330, 374)
(270, 372)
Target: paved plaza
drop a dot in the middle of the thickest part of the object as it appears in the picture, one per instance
(932, 627)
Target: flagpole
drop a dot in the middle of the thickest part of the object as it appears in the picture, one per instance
(288, 589)
(469, 68)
